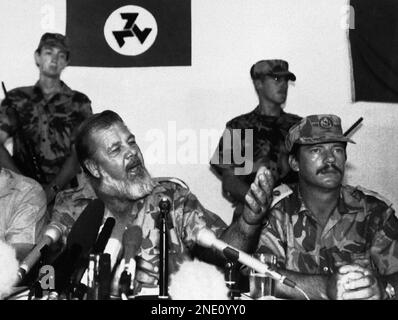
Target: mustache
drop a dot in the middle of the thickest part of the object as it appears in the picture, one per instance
(133, 164)
(327, 168)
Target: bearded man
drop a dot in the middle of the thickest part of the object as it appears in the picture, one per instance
(114, 165)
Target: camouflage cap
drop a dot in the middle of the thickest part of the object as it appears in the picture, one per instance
(273, 67)
(54, 40)
(314, 129)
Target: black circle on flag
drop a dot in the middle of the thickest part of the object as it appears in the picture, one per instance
(130, 30)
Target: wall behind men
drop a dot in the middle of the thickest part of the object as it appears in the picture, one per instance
(178, 104)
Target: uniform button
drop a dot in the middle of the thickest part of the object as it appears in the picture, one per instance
(44, 140)
(325, 269)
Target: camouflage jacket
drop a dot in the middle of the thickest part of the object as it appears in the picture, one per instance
(186, 215)
(268, 144)
(362, 226)
(42, 129)
(70, 203)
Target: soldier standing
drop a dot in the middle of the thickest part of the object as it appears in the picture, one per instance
(268, 123)
(42, 120)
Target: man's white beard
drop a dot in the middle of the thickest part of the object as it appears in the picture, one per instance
(138, 187)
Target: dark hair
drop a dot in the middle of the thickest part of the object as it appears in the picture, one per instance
(51, 40)
(83, 144)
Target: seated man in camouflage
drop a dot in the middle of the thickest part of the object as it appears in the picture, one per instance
(114, 165)
(335, 241)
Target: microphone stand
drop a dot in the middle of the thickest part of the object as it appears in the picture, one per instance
(35, 289)
(230, 274)
(77, 290)
(164, 205)
(124, 284)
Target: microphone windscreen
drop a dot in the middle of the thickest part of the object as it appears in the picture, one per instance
(80, 240)
(8, 269)
(196, 280)
(165, 204)
(132, 240)
(65, 264)
(85, 230)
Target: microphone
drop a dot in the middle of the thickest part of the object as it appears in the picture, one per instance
(85, 230)
(104, 236)
(51, 235)
(97, 248)
(207, 238)
(132, 240)
(65, 265)
(80, 240)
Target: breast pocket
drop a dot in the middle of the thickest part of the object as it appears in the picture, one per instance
(302, 261)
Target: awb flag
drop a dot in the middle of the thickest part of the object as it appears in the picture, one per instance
(135, 33)
(374, 49)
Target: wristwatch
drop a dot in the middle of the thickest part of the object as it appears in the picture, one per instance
(390, 291)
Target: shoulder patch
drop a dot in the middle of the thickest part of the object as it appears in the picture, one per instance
(374, 194)
(280, 192)
(172, 180)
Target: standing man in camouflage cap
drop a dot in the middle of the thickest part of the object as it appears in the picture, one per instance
(42, 120)
(263, 145)
(335, 241)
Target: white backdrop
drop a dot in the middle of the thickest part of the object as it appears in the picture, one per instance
(228, 36)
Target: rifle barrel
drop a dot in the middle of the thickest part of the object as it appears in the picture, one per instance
(356, 124)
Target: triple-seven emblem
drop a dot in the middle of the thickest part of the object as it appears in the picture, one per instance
(131, 30)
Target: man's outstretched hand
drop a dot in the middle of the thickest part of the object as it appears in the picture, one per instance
(259, 197)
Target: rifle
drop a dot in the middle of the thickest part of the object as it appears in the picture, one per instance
(356, 124)
(26, 160)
